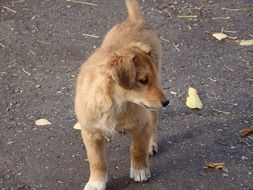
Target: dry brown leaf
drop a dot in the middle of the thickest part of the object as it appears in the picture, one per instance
(216, 166)
(220, 36)
(246, 42)
(77, 126)
(42, 122)
(246, 131)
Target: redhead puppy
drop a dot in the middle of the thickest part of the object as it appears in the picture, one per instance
(118, 88)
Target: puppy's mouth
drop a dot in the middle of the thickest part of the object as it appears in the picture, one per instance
(149, 107)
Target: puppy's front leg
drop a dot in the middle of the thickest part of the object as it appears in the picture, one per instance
(94, 143)
(139, 153)
(153, 147)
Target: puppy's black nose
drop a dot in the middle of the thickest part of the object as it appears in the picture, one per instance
(165, 102)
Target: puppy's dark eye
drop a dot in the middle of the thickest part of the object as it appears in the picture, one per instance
(144, 81)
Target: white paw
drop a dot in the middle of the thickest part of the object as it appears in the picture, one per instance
(140, 175)
(95, 185)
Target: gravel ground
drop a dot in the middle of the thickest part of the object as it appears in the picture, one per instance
(42, 45)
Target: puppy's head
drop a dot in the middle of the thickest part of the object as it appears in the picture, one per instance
(134, 75)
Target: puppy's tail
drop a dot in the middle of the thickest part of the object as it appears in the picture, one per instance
(134, 13)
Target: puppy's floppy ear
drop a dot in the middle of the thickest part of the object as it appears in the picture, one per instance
(122, 69)
(146, 48)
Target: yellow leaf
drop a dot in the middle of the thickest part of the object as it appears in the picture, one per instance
(220, 36)
(193, 101)
(77, 126)
(42, 122)
(246, 42)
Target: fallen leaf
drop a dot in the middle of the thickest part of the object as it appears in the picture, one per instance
(193, 101)
(77, 126)
(220, 36)
(216, 166)
(246, 131)
(246, 42)
(42, 122)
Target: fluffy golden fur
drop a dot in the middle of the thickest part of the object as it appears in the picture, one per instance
(118, 88)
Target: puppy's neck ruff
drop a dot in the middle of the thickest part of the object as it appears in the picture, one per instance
(101, 108)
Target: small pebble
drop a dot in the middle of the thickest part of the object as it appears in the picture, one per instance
(10, 142)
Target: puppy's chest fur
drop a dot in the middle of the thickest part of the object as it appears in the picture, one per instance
(121, 117)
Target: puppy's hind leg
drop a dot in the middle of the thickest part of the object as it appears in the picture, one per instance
(94, 144)
(139, 170)
(153, 146)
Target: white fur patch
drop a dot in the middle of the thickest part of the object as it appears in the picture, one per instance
(140, 175)
(96, 185)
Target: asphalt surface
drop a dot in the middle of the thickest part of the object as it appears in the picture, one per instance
(43, 44)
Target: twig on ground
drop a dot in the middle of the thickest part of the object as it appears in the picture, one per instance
(33, 17)
(222, 29)
(163, 39)
(224, 102)
(13, 61)
(221, 18)
(228, 68)
(208, 32)
(34, 24)
(249, 80)
(242, 140)
(20, 1)
(31, 52)
(2, 39)
(82, 2)
(43, 42)
(213, 97)
(107, 139)
(26, 72)
(36, 28)
(156, 10)
(8, 108)
(232, 37)
(154, 182)
(220, 111)
(211, 79)
(3, 46)
(230, 103)
(235, 10)
(90, 35)
(187, 16)
(230, 31)
(8, 167)
(9, 9)
(176, 47)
